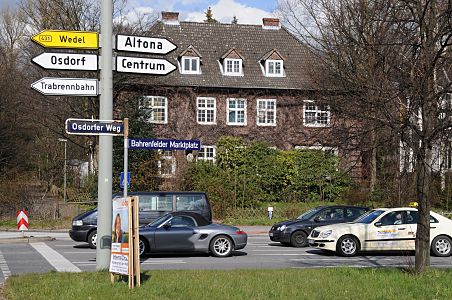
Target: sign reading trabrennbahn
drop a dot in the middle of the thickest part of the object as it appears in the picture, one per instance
(164, 144)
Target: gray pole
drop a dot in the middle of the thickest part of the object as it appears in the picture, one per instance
(126, 153)
(65, 171)
(104, 204)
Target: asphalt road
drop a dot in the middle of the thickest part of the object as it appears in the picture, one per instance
(62, 254)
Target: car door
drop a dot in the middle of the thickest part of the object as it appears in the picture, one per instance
(389, 232)
(176, 234)
(412, 219)
(329, 215)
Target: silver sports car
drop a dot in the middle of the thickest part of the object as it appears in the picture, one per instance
(190, 232)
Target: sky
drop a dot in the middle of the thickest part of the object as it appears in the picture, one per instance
(246, 11)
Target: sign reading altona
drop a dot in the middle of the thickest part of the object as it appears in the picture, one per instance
(94, 127)
(67, 61)
(67, 39)
(164, 144)
(143, 65)
(144, 44)
(66, 86)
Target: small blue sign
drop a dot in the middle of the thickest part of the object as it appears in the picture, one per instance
(164, 144)
(94, 127)
(121, 180)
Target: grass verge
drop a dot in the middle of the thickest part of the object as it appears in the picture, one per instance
(331, 283)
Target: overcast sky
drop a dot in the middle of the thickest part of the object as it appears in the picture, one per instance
(247, 11)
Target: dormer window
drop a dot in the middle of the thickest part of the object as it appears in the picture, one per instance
(274, 68)
(190, 61)
(272, 64)
(232, 63)
(233, 66)
(190, 65)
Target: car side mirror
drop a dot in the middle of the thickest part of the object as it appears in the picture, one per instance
(378, 224)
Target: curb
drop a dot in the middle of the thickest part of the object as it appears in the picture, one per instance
(26, 240)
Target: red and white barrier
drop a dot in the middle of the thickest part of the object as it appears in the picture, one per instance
(22, 220)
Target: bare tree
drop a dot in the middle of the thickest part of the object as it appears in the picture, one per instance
(390, 61)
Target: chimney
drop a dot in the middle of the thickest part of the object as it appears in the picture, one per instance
(170, 17)
(271, 23)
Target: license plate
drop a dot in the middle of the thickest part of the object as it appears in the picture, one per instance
(310, 241)
(270, 233)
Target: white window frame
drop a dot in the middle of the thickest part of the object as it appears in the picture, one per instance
(148, 103)
(190, 63)
(233, 72)
(332, 150)
(268, 62)
(206, 110)
(202, 155)
(236, 110)
(265, 111)
(317, 112)
(165, 157)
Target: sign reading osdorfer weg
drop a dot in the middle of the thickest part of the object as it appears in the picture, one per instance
(144, 44)
(94, 127)
(66, 86)
(164, 144)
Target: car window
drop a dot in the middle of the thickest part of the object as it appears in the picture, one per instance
(369, 217)
(307, 215)
(413, 216)
(351, 213)
(156, 203)
(393, 218)
(332, 214)
(183, 221)
(190, 202)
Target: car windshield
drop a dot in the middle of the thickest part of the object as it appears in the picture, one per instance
(307, 215)
(369, 216)
(160, 221)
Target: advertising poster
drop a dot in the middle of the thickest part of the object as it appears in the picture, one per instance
(119, 262)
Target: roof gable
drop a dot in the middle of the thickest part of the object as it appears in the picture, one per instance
(190, 51)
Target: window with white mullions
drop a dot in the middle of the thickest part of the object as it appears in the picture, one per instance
(190, 65)
(274, 68)
(266, 112)
(232, 66)
(207, 153)
(316, 115)
(157, 107)
(206, 110)
(236, 111)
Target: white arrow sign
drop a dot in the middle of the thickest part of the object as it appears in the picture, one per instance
(144, 44)
(66, 86)
(67, 61)
(143, 65)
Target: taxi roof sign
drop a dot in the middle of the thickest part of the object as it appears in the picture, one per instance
(413, 204)
(67, 39)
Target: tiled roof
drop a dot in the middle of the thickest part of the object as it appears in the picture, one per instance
(212, 40)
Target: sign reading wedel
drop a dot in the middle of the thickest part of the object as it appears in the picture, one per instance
(94, 127)
(164, 144)
(67, 39)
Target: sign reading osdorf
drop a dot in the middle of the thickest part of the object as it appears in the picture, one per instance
(67, 39)
(94, 127)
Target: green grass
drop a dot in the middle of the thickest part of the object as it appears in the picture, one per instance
(330, 283)
(61, 223)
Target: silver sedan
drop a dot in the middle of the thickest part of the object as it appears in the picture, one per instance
(190, 232)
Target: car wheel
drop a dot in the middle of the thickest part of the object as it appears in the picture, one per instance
(221, 246)
(143, 246)
(347, 246)
(299, 239)
(441, 246)
(92, 239)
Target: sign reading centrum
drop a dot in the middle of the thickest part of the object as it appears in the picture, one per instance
(164, 144)
(94, 127)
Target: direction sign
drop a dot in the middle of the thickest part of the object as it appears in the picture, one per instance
(144, 44)
(94, 127)
(122, 180)
(164, 144)
(66, 86)
(66, 61)
(67, 39)
(144, 65)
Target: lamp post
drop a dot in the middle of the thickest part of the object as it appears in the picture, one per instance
(65, 166)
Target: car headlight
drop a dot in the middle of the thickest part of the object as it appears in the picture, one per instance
(77, 223)
(326, 234)
(281, 228)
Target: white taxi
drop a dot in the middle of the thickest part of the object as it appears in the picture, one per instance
(383, 229)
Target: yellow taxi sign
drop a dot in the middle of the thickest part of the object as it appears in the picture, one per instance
(413, 204)
(67, 39)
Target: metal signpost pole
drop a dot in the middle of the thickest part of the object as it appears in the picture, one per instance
(65, 166)
(126, 153)
(104, 219)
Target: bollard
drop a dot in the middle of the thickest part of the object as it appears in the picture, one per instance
(22, 221)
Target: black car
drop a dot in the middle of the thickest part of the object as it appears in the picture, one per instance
(295, 232)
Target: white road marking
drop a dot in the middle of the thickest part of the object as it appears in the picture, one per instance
(58, 261)
(283, 254)
(152, 262)
(265, 250)
(4, 267)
